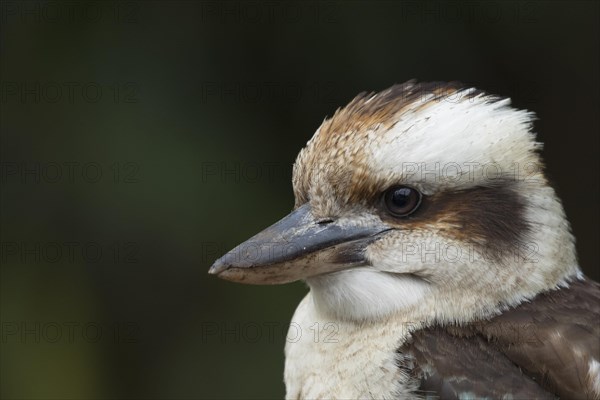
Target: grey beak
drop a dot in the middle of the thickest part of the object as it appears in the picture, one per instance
(297, 247)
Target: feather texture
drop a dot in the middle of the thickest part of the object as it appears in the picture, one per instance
(542, 349)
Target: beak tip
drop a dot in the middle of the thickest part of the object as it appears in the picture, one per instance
(218, 267)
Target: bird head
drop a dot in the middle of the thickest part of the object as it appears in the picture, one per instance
(422, 193)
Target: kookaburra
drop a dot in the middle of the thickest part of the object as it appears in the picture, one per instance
(439, 259)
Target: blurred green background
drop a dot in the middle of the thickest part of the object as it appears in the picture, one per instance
(143, 139)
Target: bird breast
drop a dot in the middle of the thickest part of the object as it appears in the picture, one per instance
(328, 358)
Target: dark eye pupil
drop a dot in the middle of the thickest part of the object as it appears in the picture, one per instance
(401, 197)
(401, 201)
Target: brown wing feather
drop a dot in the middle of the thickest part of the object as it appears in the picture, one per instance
(540, 347)
(451, 366)
(553, 338)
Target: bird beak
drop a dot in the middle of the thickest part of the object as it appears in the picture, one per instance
(298, 247)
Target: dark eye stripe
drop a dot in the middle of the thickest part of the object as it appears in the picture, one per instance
(492, 217)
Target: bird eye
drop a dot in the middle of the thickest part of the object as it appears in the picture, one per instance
(402, 200)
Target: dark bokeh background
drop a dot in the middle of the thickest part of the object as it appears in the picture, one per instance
(140, 140)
